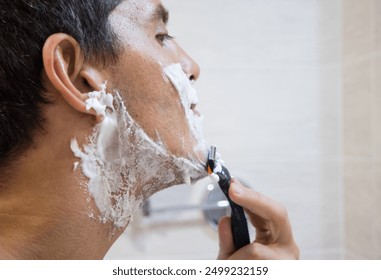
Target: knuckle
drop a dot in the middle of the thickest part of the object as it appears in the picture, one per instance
(256, 251)
(281, 212)
(252, 195)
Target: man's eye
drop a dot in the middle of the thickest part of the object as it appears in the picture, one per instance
(164, 37)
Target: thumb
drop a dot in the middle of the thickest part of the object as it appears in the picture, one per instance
(226, 239)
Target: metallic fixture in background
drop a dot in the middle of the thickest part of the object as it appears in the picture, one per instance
(213, 216)
(214, 206)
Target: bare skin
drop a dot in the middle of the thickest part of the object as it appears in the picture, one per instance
(44, 209)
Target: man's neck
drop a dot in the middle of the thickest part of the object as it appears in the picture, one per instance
(44, 214)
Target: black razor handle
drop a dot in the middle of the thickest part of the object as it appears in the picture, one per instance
(240, 230)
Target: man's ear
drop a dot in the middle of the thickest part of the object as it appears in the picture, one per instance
(67, 72)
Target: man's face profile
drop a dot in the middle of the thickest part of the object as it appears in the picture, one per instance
(113, 122)
(148, 49)
(149, 139)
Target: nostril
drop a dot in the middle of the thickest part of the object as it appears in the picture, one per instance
(192, 78)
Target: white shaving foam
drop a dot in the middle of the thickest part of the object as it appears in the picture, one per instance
(124, 166)
(188, 97)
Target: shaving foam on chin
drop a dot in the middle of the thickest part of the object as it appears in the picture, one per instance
(123, 165)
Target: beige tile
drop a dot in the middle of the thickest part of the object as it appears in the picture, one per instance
(357, 114)
(331, 204)
(330, 31)
(359, 202)
(330, 101)
(357, 29)
(376, 109)
(350, 255)
(377, 24)
(377, 210)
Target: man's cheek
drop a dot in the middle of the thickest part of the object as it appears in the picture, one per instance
(189, 100)
(123, 165)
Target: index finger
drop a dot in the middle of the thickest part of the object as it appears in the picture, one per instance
(258, 204)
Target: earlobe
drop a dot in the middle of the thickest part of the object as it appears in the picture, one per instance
(66, 71)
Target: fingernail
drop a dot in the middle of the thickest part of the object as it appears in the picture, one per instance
(237, 189)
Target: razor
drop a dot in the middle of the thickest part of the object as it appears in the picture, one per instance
(239, 227)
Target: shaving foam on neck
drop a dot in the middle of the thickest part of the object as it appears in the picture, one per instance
(124, 166)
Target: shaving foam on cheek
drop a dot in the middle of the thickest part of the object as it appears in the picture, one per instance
(188, 97)
(123, 165)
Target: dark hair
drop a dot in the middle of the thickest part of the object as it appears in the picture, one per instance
(24, 27)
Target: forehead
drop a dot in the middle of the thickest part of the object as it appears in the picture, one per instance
(135, 11)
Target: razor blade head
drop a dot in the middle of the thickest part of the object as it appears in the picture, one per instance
(213, 153)
(211, 159)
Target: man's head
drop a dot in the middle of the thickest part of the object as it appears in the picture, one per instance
(24, 27)
(129, 44)
(58, 60)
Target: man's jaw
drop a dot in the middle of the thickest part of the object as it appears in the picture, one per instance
(125, 166)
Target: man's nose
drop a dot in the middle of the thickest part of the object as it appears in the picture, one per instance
(190, 67)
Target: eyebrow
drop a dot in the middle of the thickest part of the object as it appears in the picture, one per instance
(160, 13)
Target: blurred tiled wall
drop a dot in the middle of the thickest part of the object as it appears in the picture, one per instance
(270, 90)
(362, 127)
